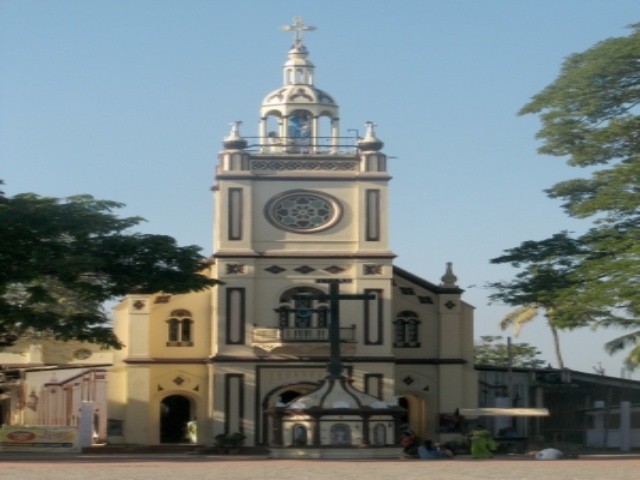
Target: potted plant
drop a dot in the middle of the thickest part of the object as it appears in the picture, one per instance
(235, 441)
(229, 442)
(221, 443)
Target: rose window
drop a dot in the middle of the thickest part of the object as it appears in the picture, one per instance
(303, 211)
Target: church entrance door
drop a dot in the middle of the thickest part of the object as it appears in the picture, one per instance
(175, 412)
(415, 419)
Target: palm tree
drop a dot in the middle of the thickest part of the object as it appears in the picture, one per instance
(522, 315)
(630, 340)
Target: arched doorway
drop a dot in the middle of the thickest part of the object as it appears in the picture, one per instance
(175, 412)
(415, 418)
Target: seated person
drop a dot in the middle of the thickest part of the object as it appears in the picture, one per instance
(409, 447)
(432, 451)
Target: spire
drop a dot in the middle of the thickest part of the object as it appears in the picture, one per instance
(298, 27)
(449, 279)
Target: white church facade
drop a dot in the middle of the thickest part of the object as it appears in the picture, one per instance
(295, 207)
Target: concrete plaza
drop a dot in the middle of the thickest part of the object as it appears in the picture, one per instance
(204, 467)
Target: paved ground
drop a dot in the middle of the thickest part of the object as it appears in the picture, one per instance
(204, 467)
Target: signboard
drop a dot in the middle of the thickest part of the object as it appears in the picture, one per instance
(19, 438)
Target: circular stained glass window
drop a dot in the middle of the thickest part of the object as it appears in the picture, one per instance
(303, 211)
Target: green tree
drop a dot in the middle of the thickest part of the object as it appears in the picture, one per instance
(544, 286)
(61, 259)
(491, 350)
(590, 117)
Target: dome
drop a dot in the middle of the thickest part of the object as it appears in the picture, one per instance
(336, 394)
(297, 94)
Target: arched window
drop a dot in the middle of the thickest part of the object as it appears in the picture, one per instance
(180, 331)
(301, 317)
(401, 332)
(340, 434)
(407, 330)
(299, 435)
(379, 434)
(174, 329)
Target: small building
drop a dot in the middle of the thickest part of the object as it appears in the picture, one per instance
(45, 382)
(570, 397)
(613, 426)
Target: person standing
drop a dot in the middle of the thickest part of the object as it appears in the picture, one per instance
(192, 431)
(482, 442)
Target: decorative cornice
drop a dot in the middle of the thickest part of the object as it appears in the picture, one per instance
(431, 361)
(325, 359)
(302, 255)
(299, 165)
(164, 361)
(310, 177)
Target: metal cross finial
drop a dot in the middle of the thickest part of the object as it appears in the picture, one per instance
(297, 27)
(370, 127)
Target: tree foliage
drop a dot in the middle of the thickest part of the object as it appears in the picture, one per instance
(492, 351)
(590, 115)
(544, 285)
(62, 258)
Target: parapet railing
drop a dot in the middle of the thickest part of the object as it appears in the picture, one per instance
(296, 335)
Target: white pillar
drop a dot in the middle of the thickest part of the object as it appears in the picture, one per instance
(315, 133)
(598, 423)
(262, 133)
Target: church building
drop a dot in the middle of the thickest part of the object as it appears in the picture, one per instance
(296, 208)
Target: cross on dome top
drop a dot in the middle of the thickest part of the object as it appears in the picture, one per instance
(298, 27)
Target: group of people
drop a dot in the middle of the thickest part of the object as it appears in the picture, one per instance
(427, 450)
(481, 442)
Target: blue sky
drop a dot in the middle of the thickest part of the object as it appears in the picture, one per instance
(129, 101)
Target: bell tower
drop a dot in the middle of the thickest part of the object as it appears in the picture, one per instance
(297, 206)
(299, 188)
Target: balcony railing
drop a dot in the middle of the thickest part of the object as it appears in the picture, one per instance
(297, 335)
(317, 145)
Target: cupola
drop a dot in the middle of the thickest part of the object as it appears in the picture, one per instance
(298, 116)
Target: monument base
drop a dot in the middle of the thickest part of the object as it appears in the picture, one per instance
(335, 452)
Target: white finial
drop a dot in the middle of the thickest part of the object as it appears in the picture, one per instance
(370, 143)
(449, 279)
(370, 126)
(235, 127)
(234, 140)
(298, 27)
